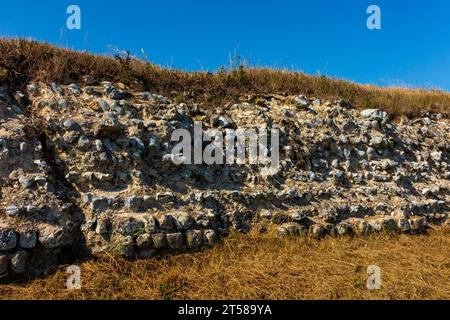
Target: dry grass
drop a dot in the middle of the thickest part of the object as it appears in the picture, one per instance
(22, 61)
(264, 267)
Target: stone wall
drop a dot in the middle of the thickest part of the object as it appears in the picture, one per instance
(88, 170)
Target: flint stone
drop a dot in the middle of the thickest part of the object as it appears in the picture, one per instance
(159, 240)
(28, 239)
(12, 211)
(301, 102)
(210, 237)
(25, 182)
(123, 245)
(99, 204)
(63, 103)
(185, 221)
(103, 105)
(4, 261)
(194, 239)
(175, 240)
(8, 239)
(18, 262)
(53, 237)
(71, 125)
(144, 241)
(168, 222)
(343, 229)
(33, 89)
(318, 231)
(291, 229)
(74, 89)
(404, 225)
(116, 94)
(375, 114)
(134, 203)
(130, 227)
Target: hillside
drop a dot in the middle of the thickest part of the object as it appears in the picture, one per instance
(86, 164)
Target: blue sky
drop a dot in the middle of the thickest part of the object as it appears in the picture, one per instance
(321, 36)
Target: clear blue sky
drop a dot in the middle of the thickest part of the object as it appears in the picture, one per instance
(316, 36)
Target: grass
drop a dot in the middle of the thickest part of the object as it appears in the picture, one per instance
(22, 61)
(264, 267)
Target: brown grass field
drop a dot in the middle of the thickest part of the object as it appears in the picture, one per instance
(258, 266)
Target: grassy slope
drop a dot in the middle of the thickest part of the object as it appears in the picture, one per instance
(23, 61)
(264, 267)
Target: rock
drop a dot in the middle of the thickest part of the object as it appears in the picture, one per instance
(84, 142)
(184, 220)
(318, 231)
(12, 211)
(8, 239)
(33, 89)
(25, 182)
(123, 246)
(63, 104)
(23, 146)
(389, 225)
(137, 145)
(343, 229)
(134, 203)
(168, 223)
(71, 125)
(35, 209)
(109, 126)
(18, 262)
(129, 227)
(99, 204)
(155, 97)
(56, 88)
(116, 94)
(404, 225)
(159, 240)
(53, 237)
(427, 192)
(436, 156)
(194, 239)
(103, 105)
(144, 241)
(418, 224)
(4, 262)
(301, 101)
(154, 144)
(175, 240)
(291, 229)
(363, 227)
(377, 142)
(28, 239)
(375, 114)
(74, 89)
(73, 177)
(210, 237)
(224, 122)
(103, 226)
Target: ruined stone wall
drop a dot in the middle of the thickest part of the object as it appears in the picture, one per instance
(89, 170)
